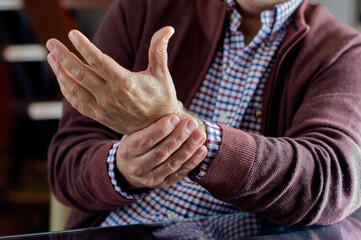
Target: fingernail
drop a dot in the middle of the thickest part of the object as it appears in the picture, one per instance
(200, 153)
(50, 47)
(166, 39)
(173, 122)
(72, 36)
(51, 60)
(198, 138)
(191, 126)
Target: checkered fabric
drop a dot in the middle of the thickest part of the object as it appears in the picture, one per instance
(231, 94)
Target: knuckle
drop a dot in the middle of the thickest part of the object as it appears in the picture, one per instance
(113, 75)
(184, 155)
(173, 164)
(179, 139)
(105, 100)
(127, 85)
(136, 171)
(171, 179)
(97, 113)
(161, 153)
(75, 104)
(61, 58)
(163, 132)
(73, 91)
(145, 142)
(176, 177)
(122, 153)
(95, 60)
(149, 182)
(176, 142)
(78, 74)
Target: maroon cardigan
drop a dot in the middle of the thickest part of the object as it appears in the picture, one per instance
(304, 169)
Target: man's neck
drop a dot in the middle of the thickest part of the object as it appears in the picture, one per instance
(251, 24)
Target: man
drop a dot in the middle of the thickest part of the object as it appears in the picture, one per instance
(272, 93)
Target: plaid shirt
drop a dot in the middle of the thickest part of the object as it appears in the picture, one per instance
(231, 94)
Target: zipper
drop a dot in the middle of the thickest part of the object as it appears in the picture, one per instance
(266, 127)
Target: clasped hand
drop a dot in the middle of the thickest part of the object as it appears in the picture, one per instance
(122, 100)
(161, 154)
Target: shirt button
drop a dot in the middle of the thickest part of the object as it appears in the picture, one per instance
(256, 114)
(223, 118)
(171, 215)
(271, 39)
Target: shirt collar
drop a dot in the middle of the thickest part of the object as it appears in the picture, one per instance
(273, 19)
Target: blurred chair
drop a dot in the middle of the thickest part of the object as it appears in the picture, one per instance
(59, 214)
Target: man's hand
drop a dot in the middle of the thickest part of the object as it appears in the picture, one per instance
(110, 94)
(161, 154)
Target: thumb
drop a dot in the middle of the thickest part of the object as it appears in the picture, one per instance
(158, 56)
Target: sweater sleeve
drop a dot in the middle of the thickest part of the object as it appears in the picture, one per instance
(311, 173)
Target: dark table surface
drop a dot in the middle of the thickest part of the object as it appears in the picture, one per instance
(214, 227)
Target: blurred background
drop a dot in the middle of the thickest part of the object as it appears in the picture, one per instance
(30, 102)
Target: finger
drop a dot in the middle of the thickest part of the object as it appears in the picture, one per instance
(82, 73)
(186, 168)
(103, 65)
(182, 155)
(141, 142)
(158, 56)
(77, 96)
(158, 155)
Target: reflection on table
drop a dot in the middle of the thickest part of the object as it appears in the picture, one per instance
(214, 227)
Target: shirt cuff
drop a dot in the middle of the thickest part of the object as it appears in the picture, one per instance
(111, 172)
(214, 139)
